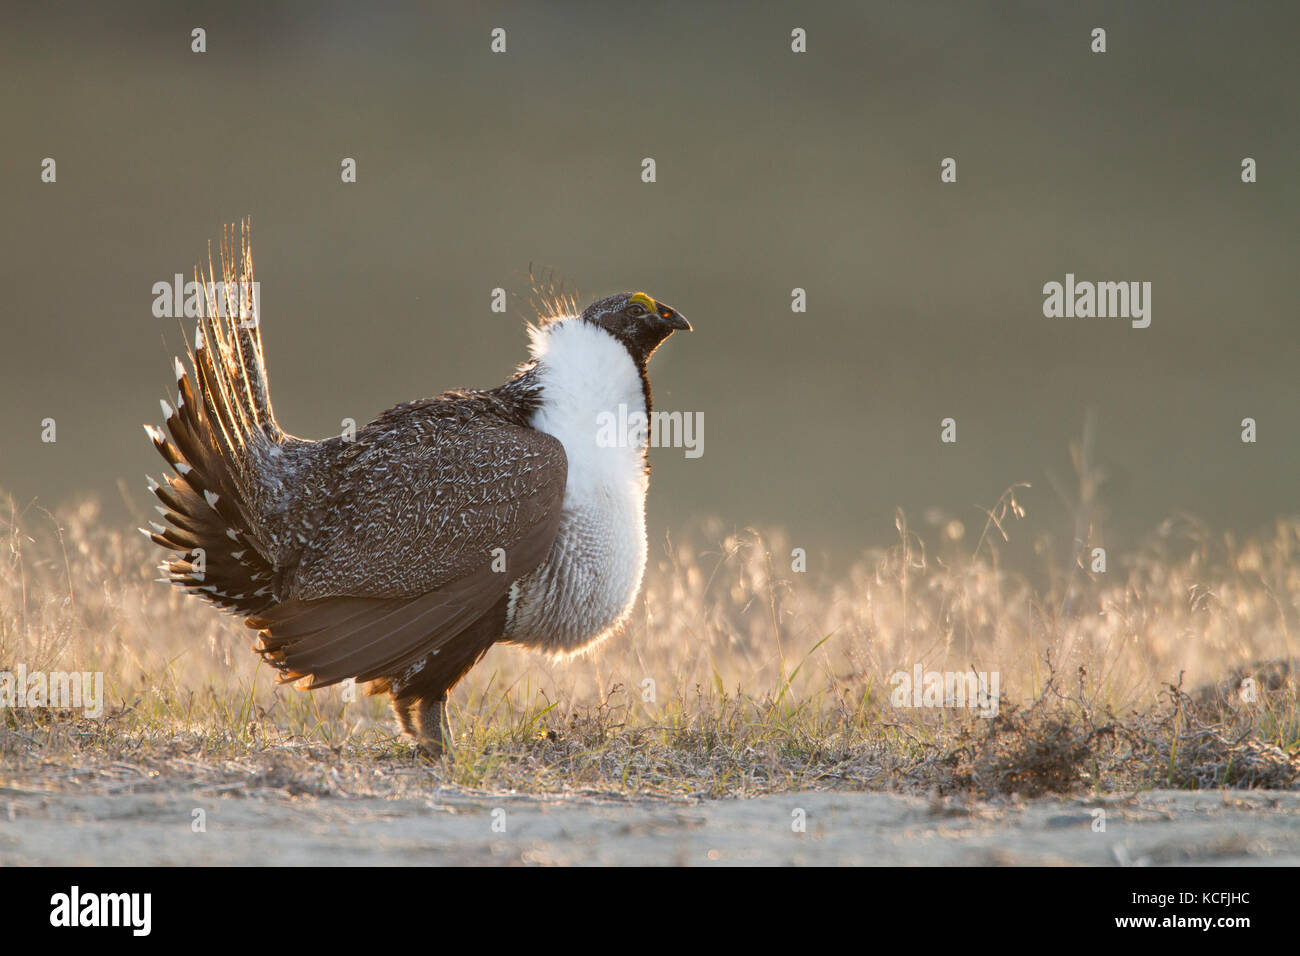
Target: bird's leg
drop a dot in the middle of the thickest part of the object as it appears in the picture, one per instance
(402, 708)
(434, 727)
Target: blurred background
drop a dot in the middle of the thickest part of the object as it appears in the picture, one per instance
(775, 170)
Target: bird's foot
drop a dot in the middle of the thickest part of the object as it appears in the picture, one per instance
(433, 730)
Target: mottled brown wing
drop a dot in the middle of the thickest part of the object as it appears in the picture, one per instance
(327, 640)
(406, 557)
(425, 497)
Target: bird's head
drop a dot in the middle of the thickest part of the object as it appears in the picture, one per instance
(636, 320)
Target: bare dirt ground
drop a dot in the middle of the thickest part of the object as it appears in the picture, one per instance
(455, 827)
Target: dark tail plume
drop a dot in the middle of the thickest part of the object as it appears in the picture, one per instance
(223, 442)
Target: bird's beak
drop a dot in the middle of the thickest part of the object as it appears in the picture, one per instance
(672, 321)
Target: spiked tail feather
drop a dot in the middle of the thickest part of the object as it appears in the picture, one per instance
(220, 437)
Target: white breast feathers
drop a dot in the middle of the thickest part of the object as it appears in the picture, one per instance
(587, 585)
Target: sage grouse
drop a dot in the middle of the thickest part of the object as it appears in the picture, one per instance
(399, 556)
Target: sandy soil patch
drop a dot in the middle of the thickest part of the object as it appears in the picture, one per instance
(457, 827)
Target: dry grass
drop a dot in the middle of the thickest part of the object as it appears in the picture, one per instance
(764, 678)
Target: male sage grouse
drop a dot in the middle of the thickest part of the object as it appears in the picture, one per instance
(399, 556)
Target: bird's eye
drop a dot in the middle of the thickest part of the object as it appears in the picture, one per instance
(639, 304)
